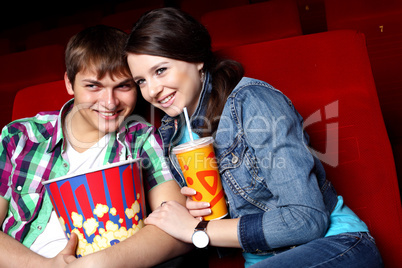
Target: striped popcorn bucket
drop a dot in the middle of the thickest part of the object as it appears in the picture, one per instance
(103, 206)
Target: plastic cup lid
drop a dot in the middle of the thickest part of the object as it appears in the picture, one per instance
(191, 145)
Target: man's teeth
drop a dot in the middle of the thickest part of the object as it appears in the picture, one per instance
(107, 114)
(166, 99)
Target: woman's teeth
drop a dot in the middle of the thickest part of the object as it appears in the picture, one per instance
(166, 99)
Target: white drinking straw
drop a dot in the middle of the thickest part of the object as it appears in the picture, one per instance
(188, 124)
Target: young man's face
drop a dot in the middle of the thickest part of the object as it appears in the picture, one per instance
(100, 105)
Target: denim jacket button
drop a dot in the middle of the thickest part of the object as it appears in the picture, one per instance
(235, 159)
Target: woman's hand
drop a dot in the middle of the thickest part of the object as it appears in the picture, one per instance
(197, 209)
(174, 219)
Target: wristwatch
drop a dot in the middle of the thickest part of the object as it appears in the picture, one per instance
(200, 238)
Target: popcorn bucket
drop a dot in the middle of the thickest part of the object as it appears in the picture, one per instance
(102, 206)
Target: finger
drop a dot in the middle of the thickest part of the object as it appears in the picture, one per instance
(69, 259)
(191, 204)
(71, 245)
(200, 212)
(187, 191)
(69, 251)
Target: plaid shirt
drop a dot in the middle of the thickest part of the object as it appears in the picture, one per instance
(32, 150)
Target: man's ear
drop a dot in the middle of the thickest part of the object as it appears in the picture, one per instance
(69, 86)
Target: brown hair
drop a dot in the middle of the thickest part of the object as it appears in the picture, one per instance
(98, 48)
(172, 33)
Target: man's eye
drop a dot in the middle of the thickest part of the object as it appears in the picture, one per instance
(126, 86)
(160, 71)
(91, 86)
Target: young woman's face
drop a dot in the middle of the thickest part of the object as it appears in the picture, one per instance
(167, 84)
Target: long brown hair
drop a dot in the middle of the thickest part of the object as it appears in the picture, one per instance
(172, 33)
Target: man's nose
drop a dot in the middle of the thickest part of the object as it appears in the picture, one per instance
(109, 99)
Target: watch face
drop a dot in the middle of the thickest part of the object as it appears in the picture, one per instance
(200, 239)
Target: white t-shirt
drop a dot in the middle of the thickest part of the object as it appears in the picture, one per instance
(53, 239)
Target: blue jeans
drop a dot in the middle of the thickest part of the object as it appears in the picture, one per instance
(343, 250)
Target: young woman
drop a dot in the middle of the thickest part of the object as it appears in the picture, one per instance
(284, 215)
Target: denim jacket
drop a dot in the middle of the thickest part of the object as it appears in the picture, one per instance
(272, 181)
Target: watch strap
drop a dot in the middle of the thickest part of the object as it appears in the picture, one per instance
(202, 225)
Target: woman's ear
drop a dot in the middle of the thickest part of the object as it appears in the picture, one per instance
(69, 86)
(200, 66)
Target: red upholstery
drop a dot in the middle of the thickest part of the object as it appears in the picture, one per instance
(252, 23)
(328, 77)
(135, 4)
(22, 69)
(86, 18)
(38, 98)
(380, 22)
(124, 20)
(198, 8)
(5, 47)
(60, 36)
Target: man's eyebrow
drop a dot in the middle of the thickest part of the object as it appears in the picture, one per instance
(128, 80)
(92, 81)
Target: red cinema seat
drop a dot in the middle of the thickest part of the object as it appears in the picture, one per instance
(252, 23)
(329, 79)
(22, 69)
(124, 20)
(60, 36)
(135, 4)
(199, 8)
(5, 46)
(381, 23)
(40, 98)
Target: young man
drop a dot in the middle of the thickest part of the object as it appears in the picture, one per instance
(93, 129)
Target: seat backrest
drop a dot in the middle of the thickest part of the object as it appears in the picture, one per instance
(252, 23)
(199, 8)
(124, 20)
(328, 78)
(59, 35)
(39, 98)
(5, 46)
(23, 69)
(380, 22)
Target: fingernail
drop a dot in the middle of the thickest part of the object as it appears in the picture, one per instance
(206, 205)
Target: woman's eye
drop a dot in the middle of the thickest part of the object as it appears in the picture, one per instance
(140, 81)
(160, 71)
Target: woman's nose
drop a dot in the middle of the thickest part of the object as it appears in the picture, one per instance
(154, 89)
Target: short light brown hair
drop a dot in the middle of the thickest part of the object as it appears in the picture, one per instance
(99, 49)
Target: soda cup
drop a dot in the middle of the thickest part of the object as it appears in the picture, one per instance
(198, 164)
(102, 206)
